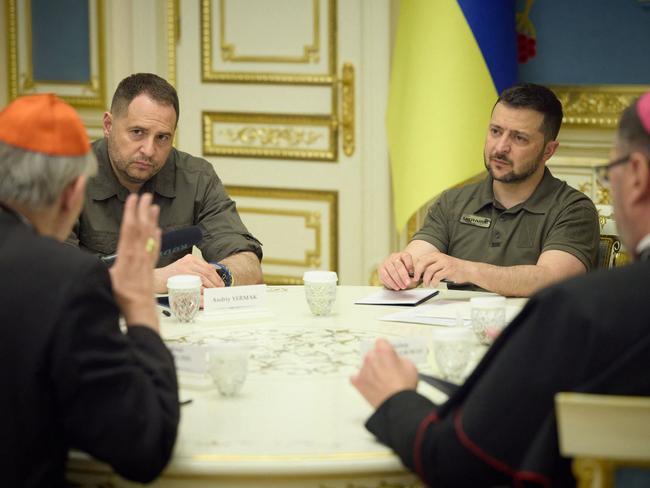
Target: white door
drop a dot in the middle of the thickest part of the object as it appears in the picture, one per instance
(287, 98)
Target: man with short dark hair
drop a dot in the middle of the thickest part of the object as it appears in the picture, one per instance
(518, 230)
(70, 377)
(137, 155)
(590, 334)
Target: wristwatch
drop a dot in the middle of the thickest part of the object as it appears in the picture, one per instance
(224, 272)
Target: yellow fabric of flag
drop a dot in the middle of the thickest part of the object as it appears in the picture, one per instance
(441, 97)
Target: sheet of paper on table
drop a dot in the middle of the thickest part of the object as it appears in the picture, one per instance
(402, 297)
(414, 348)
(443, 312)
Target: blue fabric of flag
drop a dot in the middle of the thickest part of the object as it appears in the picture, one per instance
(493, 24)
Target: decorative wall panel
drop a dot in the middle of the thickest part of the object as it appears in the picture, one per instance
(596, 106)
(263, 41)
(57, 47)
(298, 229)
(305, 137)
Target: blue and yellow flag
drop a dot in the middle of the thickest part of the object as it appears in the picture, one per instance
(451, 60)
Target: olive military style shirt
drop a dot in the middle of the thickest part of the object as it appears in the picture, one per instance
(188, 191)
(468, 223)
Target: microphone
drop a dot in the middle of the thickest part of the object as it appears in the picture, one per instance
(171, 242)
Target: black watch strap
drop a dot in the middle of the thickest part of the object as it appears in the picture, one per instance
(224, 272)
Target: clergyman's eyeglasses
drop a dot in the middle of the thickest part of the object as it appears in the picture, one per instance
(602, 172)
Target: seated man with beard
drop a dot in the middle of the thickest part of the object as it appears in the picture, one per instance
(518, 230)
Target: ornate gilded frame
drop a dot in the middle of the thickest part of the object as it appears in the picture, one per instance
(282, 136)
(312, 257)
(310, 53)
(596, 106)
(587, 470)
(20, 69)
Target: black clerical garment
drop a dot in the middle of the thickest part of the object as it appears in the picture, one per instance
(69, 378)
(589, 334)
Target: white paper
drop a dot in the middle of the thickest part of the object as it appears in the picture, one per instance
(412, 316)
(413, 348)
(443, 312)
(445, 309)
(240, 297)
(401, 297)
(189, 358)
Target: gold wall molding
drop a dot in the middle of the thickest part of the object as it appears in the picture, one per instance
(89, 94)
(586, 471)
(269, 136)
(274, 136)
(11, 22)
(173, 37)
(312, 220)
(347, 108)
(596, 106)
(276, 279)
(590, 472)
(603, 195)
(311, 52)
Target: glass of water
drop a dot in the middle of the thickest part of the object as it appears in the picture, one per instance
(488, 317)
(228, 366)
(452, 350)
(184, 296)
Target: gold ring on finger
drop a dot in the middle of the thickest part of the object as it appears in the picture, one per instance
(150, 245)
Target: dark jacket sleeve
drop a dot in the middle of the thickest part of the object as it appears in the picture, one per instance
(587, 334)
(427, 444)
(117, 392)
(481, 436)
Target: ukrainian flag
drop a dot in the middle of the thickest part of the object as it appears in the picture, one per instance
(451, 60)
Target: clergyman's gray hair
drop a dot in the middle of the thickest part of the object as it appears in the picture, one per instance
(36, 180)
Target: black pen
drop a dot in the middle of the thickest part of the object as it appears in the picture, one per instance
(185, 402)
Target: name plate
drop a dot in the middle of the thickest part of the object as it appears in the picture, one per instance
(412, 348)
(251, 296)
(475, 220)
(190, 358)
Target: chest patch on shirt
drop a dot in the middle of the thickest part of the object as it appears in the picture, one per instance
(475, 220)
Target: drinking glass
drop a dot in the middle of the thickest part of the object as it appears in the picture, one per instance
(228, 366)
(320, 291)
(452, 351)
(488, 317)
(184, 296)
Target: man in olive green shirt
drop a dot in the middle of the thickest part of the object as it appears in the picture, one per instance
(517, 231)
(136, 156)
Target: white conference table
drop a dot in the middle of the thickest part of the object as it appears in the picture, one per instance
(297, 421)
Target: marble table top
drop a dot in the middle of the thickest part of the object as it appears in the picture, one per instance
(297, 413)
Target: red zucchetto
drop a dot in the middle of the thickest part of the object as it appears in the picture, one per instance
(45, 124)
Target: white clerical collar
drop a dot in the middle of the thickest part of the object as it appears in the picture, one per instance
(643, 244)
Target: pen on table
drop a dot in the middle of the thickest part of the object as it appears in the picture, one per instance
(186, 402)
